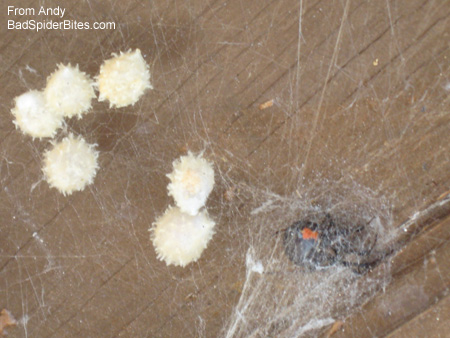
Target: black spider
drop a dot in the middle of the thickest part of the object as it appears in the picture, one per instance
(324, 243)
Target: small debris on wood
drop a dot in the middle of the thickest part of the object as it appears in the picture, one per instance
(184, 149)
(190, 297)
(6, 320)
(230, 193)
(238, 286)
(444, 195)
(337, 325)
(266, 105)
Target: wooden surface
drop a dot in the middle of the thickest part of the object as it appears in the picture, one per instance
(360, 97)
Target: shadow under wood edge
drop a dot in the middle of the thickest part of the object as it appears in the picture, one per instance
(429, 234)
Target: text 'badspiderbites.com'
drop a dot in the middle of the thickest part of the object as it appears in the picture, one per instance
(21, 23)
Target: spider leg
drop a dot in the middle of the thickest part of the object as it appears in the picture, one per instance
(279, 231)
(361, 268)
(368, 251)
(329, 223)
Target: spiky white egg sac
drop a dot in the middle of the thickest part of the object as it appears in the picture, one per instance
(180, 238)
(70, 165)
(69, 91)
(123, 79)
(33, 118)
(191, 182)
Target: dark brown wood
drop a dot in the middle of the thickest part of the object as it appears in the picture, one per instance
(420, 284)
(360, 99)
(428, 323)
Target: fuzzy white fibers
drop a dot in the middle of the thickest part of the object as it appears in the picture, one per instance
(69, 91)
(123, 79)
(70, 165)
(179, 238)
(33, 118)
(191, 182)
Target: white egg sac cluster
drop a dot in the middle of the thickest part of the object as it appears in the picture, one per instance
(69, 91)
(123, 79)
(183, 232)
(32, 116)
(191, 182)
(180, 238)
(72, 164)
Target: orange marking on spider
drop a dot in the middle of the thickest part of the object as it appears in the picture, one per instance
(309, 234)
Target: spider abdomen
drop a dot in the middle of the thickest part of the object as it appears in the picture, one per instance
(321, 244)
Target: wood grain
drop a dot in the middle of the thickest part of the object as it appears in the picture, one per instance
(364, 100)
